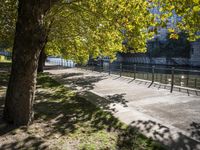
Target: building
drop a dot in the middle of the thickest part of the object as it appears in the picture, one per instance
(195, 54)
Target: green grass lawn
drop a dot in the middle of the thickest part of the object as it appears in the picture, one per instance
(63, 120)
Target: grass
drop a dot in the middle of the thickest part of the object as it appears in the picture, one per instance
(63, 120)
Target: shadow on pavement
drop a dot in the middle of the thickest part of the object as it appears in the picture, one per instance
(58, 114)
(149, 84)
(194, 129)
(158, 132)
(107, 103)
(75, 80)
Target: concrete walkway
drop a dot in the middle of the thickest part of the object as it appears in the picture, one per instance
(171, 118)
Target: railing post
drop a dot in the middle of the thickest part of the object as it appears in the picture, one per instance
(109, 68)
(187, 78)
(120, 69)
(134, 71)
(100, 67)
(92, 66)
(172, 79)
(153, 73)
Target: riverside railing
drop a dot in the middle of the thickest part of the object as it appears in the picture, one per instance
(168, 77)
(61, 62)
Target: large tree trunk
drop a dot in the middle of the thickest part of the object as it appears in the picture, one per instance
(29, 39)
(42, 60)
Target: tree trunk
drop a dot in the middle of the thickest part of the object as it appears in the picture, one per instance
(42, 60)
(29, 39)
(43, 55)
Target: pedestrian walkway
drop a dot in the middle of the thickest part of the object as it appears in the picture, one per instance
(171, 118)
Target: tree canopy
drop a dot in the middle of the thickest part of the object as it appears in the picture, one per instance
(81, 29)
(188, 11)
(86, 29)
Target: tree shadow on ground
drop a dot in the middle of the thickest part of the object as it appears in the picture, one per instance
(117, 98)
(158, 131)
(157, 85)
(4, 128)
(5, 66)
(59, 112)
(76, 80)
(194, 129)
(54, 67)
(107, 103)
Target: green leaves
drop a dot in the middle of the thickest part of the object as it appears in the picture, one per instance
(94, 28)
(189, 11)
(8, 13)
(82, 29)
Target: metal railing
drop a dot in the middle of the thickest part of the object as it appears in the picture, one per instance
(171, 77)
(61, 62)
(168, 76)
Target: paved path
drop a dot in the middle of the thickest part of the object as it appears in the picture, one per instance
(171, 118)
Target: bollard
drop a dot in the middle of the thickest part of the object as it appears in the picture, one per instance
(172, 79)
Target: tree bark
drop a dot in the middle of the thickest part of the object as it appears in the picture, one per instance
(43, 55)
(29, 39)
(42, 60)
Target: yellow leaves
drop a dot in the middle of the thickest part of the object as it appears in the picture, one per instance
(171, 30)
(196, 8)
(173, 36)
(196, 1)
(160, 9)
(171, 7)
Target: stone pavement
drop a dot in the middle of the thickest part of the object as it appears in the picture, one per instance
(171, 118)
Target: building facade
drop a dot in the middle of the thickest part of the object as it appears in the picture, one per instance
(195, 54)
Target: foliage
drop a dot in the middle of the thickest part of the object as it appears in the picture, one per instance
(8, 13)
(81, 29)
(87, 29)
(189, 11)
